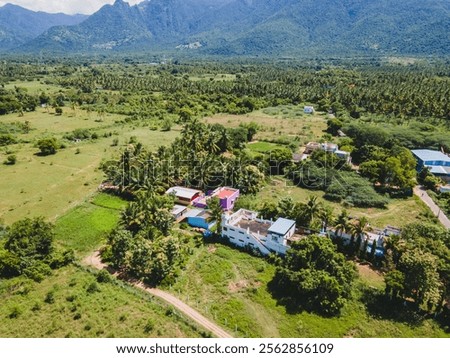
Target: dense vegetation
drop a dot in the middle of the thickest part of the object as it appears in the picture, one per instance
(27, 250)
(384, 111)
(314, 277)
(144, 244)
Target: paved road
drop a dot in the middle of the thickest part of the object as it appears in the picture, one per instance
(422, 194)
(95, 261)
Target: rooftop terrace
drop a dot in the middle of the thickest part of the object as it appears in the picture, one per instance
(254, 226)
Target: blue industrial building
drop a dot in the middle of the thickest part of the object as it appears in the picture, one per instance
(437, 162)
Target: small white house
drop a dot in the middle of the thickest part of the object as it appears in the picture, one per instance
(308, 109)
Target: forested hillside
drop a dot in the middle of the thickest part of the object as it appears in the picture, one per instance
(260, 27)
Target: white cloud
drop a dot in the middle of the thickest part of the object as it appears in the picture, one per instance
(65, 6)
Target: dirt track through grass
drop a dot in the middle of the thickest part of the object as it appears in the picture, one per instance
(95, 261)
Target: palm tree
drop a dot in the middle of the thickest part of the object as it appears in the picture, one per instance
(359, 231)
(132, 218)
(326, 215)
(342, 223)
(312, 208)
(216, 211)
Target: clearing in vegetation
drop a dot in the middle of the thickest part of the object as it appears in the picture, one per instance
(277, 126)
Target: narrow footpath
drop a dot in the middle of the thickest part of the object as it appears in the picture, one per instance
(422, 194)
(95, 261)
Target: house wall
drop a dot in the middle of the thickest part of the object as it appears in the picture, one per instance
(281, 239)
(186, 201)
(179, 215)
(276, 243)
(200, 222)
(436, 163)
(242, 238)
(200, 204)
(228, 203)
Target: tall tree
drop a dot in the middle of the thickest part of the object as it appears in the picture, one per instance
(314, 276)
(216, 211)
(421, 281)
(358, 231)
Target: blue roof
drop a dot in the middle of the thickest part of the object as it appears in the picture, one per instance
(281, 226)
(427, 155)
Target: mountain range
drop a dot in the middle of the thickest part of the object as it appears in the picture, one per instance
(19, 26)
(238, 27)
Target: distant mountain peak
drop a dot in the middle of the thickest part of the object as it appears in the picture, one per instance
(121, 3)
(19, 25)
(259, 27)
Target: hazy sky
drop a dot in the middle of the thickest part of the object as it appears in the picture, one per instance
(66, 6)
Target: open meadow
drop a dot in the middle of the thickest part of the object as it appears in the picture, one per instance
(72, 303)
(230, 287)
(49, 186)
(283, 124)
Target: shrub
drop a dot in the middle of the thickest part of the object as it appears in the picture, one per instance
(92, 288)
(16, 311)
(103, 276)
(47, 146)
(149, 326)
(10, 160)
(7, 139)
(50, 297)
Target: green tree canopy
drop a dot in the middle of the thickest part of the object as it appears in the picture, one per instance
(314, 276)
(47, 146)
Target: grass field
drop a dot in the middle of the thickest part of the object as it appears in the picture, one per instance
(84, 228)
(399, 212)
(263, 147)
(71, 303)
(231, 287)
(33, 87)
(284, 123)
(49, 186)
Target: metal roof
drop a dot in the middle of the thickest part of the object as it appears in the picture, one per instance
(433, 155)
(193, 213)
(281, 226)
(178, 209)
(182, 192)
(436, 169)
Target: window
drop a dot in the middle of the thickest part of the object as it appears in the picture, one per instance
(225, 228)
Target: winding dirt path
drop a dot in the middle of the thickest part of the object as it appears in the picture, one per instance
(95, 261)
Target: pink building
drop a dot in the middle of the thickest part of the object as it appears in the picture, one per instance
(227, 197)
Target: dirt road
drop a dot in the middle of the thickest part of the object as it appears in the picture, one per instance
(95, 261)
